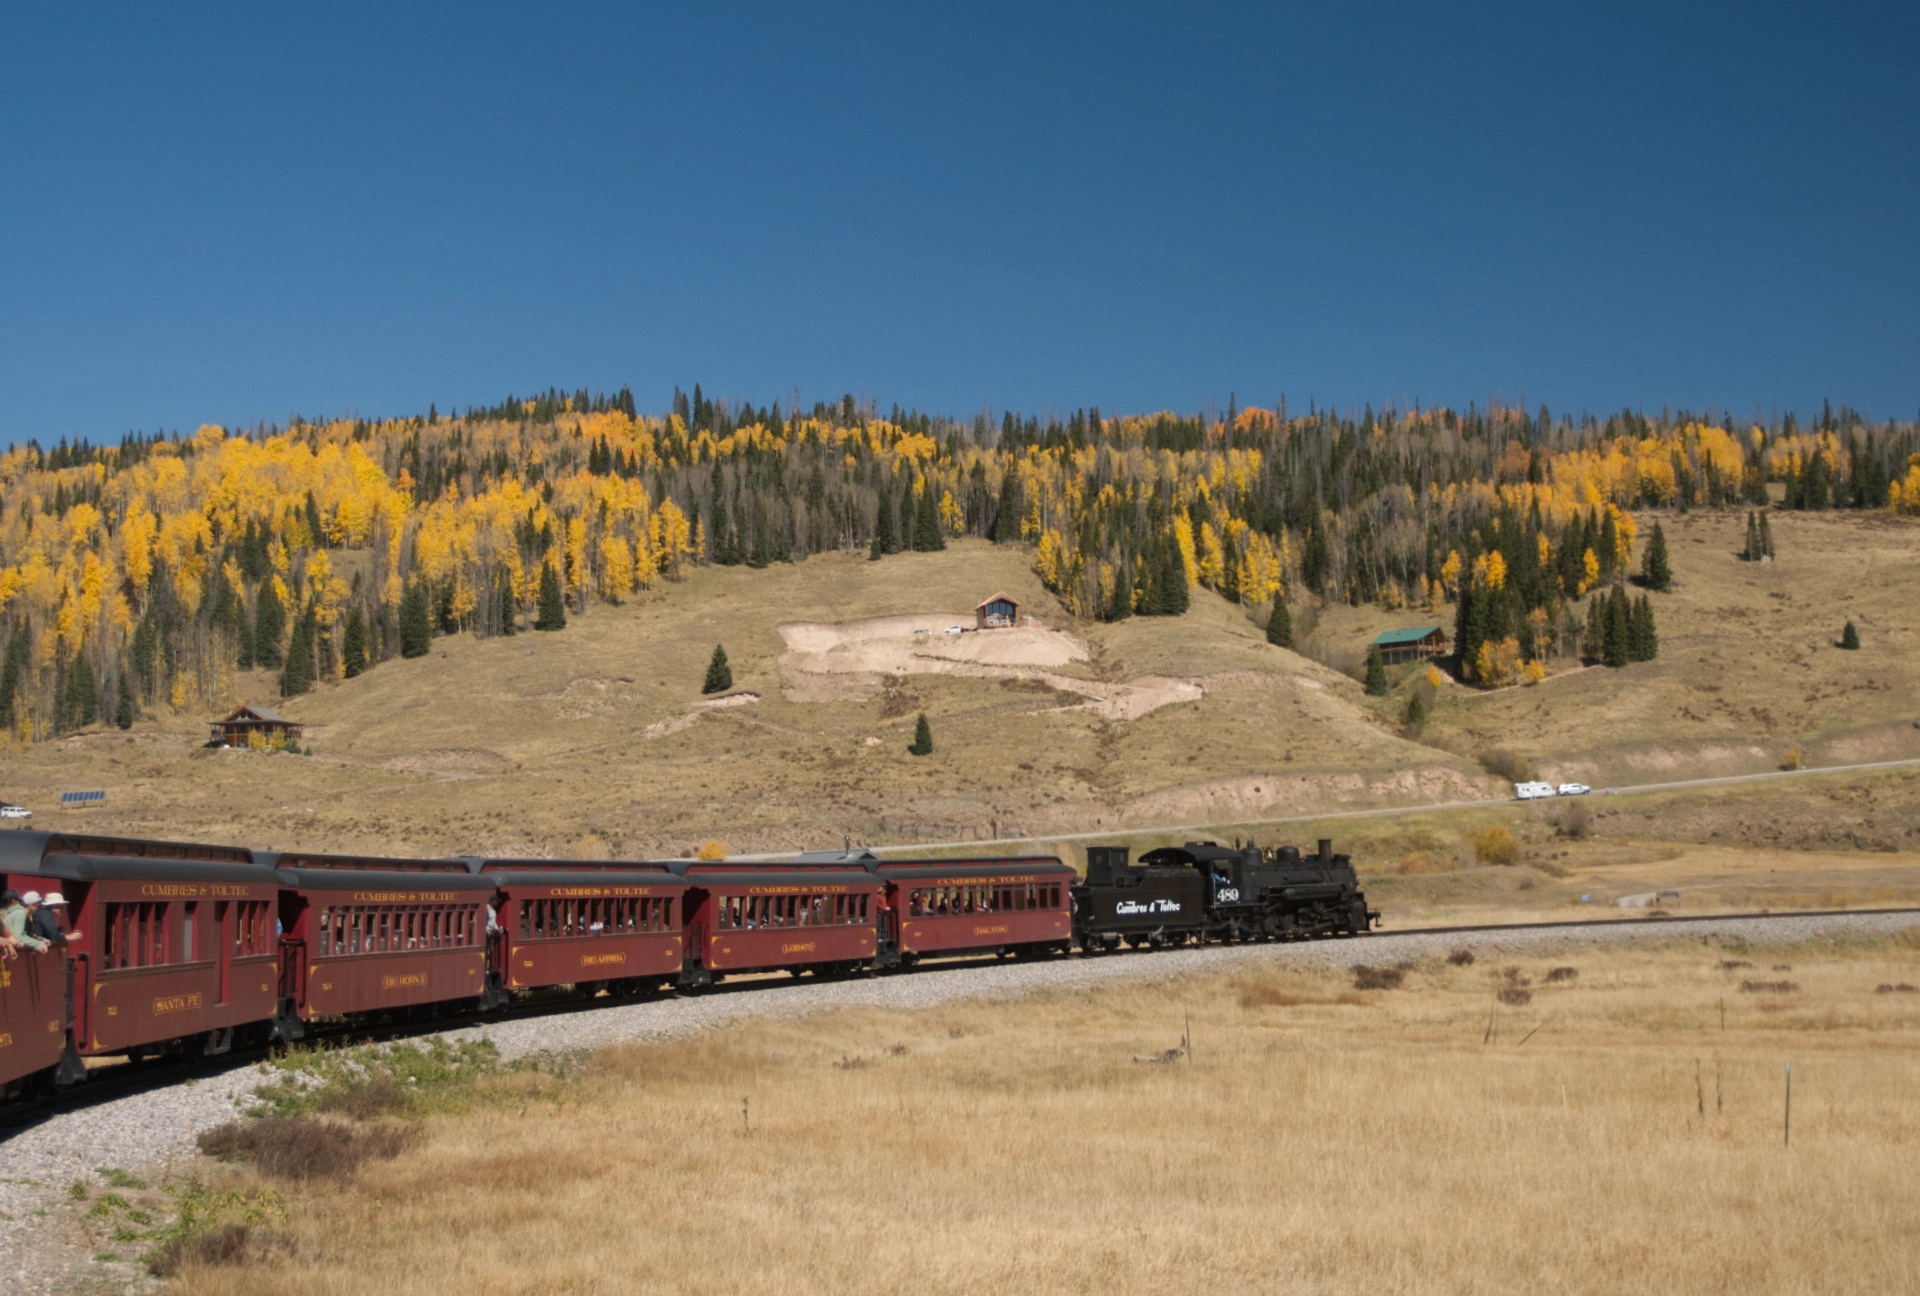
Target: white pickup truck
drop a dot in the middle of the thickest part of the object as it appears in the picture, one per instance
(1532, 791)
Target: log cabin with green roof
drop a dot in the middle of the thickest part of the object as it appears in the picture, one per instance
(1415, 644)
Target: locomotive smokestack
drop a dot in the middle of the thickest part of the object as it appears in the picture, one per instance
(1326, 851)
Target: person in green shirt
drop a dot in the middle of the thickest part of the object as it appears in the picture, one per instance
(13, 920)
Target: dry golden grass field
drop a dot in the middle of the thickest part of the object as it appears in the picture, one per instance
(594, 740)
(1602, 1129)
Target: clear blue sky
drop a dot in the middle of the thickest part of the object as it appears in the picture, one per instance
(239, 213)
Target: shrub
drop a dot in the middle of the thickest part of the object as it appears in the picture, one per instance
(1417, 863)
(1768, 987)
(1576, 821)
(291, 1148)
(1492, 844)
(1509, 765)
(1515, 997)
(1373, 978)
(1461, 958)
(1790, 758)
(710, 850)
(1563, 974)
(1849, 639)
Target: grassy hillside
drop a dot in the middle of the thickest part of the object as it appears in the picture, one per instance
(595, 739)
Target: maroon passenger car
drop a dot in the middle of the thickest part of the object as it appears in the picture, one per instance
(979, 906)
(615, 926)
(176, 950)
(369, 935)
(770, 917)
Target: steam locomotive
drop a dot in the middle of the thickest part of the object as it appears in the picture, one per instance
(1203, 891)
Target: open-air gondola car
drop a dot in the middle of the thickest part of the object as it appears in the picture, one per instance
(979, 906)
(364, 935)
(771, 917)
(564, 922)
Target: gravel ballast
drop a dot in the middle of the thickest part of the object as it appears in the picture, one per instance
(153, 1132)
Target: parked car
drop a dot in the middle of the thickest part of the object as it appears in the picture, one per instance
(15, 812)
(1574, 789)
(956, 630)
(1532, 791)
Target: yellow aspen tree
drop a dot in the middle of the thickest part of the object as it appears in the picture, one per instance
(1183, 537)
(1496, 570)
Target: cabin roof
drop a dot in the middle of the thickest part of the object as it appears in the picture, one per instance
(247, 710)
(996, 598)
(1389, 638)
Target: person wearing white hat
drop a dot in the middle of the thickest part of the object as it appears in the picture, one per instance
(46, 923)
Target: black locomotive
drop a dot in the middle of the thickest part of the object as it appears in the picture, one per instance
(1204, 891)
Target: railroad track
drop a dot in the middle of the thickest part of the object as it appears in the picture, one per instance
(131, 1078)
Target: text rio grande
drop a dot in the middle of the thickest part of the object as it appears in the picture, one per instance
(1149, 907)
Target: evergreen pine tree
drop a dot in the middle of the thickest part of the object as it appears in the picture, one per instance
(1615, 642)
(1122, 606)
(509, 613)
(83, 699)
(1314, 561)
(883, 527)
(922, 737)
(416, 629)
(553, 609)
(1649, 633)
(243, 638)
(1006, 520)
(1280, 623)
(269, 623)
(1376, 673)
(145, 638)
(900, 539)
(926, 522)
(1416, 713)
(1850, 638)
(297, 677)
(725, 546)
(1467, 623)
(354, 648)
(1766, 536)
(10, 674)
(123, 711)
(1655, 570)
(1174, 591)
(1752, 552)
(719, 674)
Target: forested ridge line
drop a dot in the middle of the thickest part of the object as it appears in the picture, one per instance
(147, 573)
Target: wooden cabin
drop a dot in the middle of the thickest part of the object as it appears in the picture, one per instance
(1411, 645)
(237, 729)
(996, 613)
